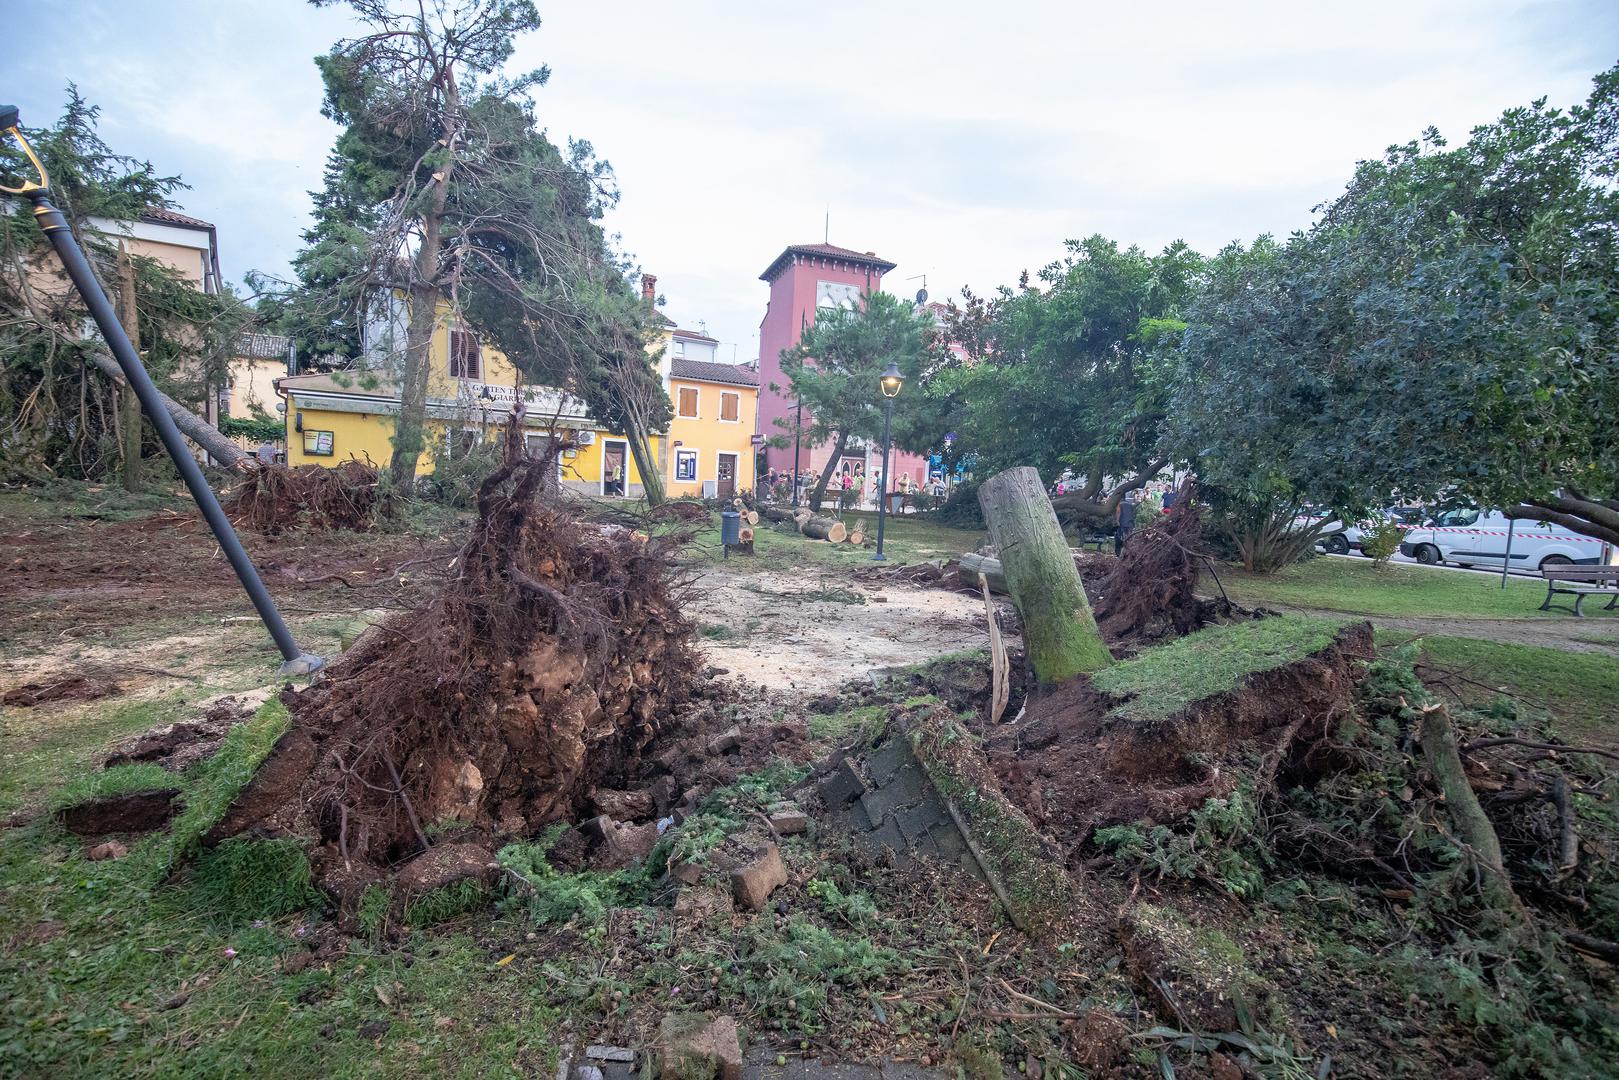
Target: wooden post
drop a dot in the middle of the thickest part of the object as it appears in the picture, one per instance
(1059, 632)
(129, 406)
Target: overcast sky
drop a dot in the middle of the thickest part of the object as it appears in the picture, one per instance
(964, 141)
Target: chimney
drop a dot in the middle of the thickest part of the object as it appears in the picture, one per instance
(649, 289)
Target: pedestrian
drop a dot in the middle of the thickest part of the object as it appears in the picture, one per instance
(1124, 521)
(266, 453)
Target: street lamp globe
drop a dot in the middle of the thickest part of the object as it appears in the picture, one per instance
(892, 380)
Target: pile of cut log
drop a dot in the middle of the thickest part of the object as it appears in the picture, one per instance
(814, 526)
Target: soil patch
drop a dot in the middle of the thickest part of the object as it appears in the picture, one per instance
(66, 686)
(178, 746)
(1073, 765)
(135, 812)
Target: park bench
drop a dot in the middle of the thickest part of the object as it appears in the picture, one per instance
(1580, 582)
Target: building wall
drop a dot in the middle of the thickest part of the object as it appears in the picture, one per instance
(791, 308)
(252, 383)
(709, 435)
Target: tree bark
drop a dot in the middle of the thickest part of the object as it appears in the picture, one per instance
(129, 406)
(1059, 631)
(825, 528)
(645, 463)
(776, 513)
(818, 492)
(1438, 740)
(1587, 517)
(191, 425)
(976, 569)
(425, 293)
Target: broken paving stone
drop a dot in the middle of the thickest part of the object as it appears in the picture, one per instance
(699, 904)
(446, 864)
(789, 822)
(112, 849)
(752, 884)
(729, 739)
(621, 844)
(586, 1071)
(695, 1046)
(623, 805)
(687, 873)
(598, 1052)
(842, 786)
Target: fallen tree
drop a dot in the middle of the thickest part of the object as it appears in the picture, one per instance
(546, 665)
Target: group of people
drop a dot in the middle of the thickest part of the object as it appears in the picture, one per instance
(848, 487)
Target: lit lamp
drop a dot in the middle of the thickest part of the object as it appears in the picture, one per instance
(891, 382)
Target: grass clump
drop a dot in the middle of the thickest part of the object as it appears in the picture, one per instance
(219, 779)
(255, 879)
(447, 902)
(849, 726)
(118, 780)
(1162, 681)
(548, 895)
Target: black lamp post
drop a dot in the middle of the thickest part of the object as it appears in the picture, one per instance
(798, 440)
(891, 381)
(55, 227)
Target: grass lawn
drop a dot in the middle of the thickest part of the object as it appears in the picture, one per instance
(905, 540)
(1360, 587)
(1579, 690)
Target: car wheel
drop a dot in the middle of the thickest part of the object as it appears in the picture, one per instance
(1428, 555)
(1336, 545)
(1556, 560)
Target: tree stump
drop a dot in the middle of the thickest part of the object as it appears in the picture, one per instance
(1059, 632)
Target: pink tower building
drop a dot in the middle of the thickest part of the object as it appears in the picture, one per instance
(805, 279)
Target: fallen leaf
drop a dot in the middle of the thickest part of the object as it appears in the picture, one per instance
(504, 960)
(1332, 1029)
(383, 995)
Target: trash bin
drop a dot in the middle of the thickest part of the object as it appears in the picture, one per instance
(895, 502)
(730, 527)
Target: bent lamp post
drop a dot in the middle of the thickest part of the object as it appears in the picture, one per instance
(55, 227)
(891, 381)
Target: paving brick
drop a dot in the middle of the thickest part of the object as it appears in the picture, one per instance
(842, 786)
(888, 759)
(915, 821)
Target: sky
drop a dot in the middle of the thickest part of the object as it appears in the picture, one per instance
(962, 141)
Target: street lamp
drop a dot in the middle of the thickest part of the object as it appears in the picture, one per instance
(798, 440)
(891, 381)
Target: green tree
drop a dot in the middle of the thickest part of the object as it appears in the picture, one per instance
(443, 189)
(835, 367)
(1061, 376)
(60, 389)
(1447, 329)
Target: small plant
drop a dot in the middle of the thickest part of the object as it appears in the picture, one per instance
(375, 905)
(716, 632)
(446, 903)
(1380, 539)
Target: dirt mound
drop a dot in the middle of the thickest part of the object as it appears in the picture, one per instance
(1073, 765)
(135, 812)
(64, 686)
(543, 669)
(1148, 593)
(178, 746)
(273, 498)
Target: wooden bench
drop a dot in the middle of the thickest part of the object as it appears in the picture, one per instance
(1580, 582)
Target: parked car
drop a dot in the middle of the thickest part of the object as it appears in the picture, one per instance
(1349, 538)
(1469, 537)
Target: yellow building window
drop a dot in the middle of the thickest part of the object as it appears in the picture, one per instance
(466, 359)
(729, 404)
(688, 402)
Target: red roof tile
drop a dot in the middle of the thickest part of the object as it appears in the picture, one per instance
(826, 251)
(174, 217)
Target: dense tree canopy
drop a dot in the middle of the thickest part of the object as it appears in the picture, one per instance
(835, 367)
(1060, 375)
(1446, 330)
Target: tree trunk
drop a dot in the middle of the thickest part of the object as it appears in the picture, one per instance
(129, 406)
(1059, 631)
(824, 528)
(776, 513)
(410, 429)
(645, 462)
(1473, 826)
(191, 425)
(981, 568)
(818, 493)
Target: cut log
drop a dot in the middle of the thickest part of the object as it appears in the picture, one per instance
(976, 569)
(1059, 632)
(744, 535)
(857, 535)
(751, 516)
(824, 528)
(777, 513)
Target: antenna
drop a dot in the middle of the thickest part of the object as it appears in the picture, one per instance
(922, 293)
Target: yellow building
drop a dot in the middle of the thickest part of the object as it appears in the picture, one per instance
(472, 389)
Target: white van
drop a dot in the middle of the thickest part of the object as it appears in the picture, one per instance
(1472, 537)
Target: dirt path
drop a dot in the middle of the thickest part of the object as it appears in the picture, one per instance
(807, 632)
(1571, 634)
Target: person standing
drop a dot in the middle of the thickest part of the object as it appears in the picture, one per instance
(1124, 521)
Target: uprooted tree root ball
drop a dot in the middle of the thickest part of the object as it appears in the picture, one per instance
(273, 498)
(548, 663)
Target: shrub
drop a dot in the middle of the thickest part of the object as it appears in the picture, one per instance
(1381, 539)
